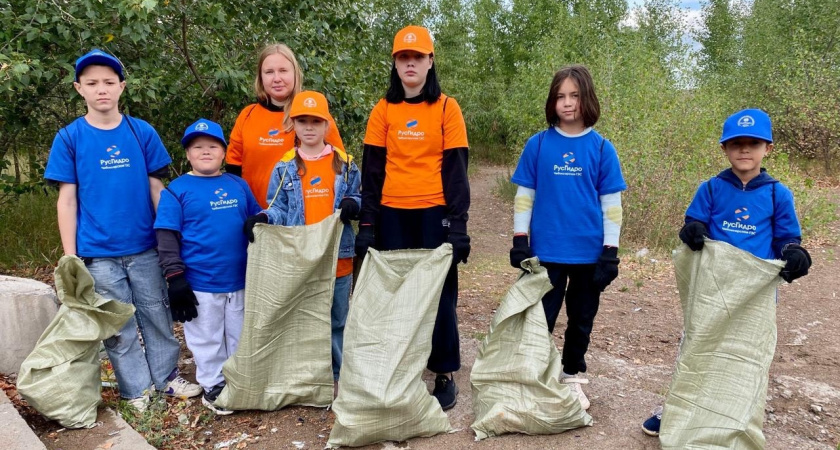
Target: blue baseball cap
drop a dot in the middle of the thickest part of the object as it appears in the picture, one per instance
(100, 58)
(203, 127)
(753, 123)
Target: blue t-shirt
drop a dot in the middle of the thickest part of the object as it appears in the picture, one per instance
(110, 169)
(209, 212)
(569, 174)
(746, 216)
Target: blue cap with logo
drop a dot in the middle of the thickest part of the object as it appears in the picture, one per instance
(100, 58)
(203, 127)
(753, 123)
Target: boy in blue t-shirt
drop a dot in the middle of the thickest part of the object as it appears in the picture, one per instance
(109, 167)
(203, 253)
(745, 206)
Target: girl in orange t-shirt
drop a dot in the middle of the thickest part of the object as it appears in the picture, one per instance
(416, 192)
(263, 133)
(308, 185)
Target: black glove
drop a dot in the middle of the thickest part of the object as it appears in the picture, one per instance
(182, 301)
(248, 228)
(520, 251)
(349, 210)
(606, 269)
(364, 240)
(797, 262)
(692, 234)
(460, 246)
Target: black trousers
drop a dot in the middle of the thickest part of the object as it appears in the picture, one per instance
(399, 229)
(574, 282)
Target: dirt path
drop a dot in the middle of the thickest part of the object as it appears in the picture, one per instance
(634, 345)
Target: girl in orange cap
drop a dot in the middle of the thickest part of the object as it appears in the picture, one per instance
(416, 193)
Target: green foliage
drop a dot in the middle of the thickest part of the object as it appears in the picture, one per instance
(29, 231)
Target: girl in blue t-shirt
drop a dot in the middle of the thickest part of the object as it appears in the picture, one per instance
(569, 199)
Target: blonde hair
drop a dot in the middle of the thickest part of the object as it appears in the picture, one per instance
(284, 51)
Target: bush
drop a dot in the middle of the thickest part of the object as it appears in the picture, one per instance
(29, 234)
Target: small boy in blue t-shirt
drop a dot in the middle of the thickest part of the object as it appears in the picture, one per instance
(745, 206)
(203, 253)
(108, 167)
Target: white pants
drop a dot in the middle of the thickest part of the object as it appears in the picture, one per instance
(213, 336)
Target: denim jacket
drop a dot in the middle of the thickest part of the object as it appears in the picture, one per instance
(286, 204)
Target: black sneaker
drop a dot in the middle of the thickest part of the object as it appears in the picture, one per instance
(445, 392)
(651, 426)
(209, 400)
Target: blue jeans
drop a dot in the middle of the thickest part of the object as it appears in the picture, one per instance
(340, 307)
(138, 280)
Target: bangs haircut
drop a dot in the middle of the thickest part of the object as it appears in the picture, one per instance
(262, 96)
(430, 92)
(590, 108)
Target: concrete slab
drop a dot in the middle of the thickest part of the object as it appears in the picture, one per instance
(26, 309)
(15, 434)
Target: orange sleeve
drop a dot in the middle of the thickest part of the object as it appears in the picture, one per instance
(377, 128)
(454, 128)
(333, 136)
(235, 144)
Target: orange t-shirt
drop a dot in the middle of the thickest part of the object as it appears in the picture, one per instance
(415, 136)
(318, 186)
(257, 143)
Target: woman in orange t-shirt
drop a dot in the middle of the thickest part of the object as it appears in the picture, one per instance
(263, 133)
(415, 191)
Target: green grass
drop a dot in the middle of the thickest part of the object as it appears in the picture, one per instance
(504, 189)
(29, 232)
(160, 424)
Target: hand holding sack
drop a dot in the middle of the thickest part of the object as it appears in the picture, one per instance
(182, 301)
(250, 222)
(349, 210)
(520, 251)
(364, 240)
(693, 234)
(460, 246)
(606, 269)
(797, 262)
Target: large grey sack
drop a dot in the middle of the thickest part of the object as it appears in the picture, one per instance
(515, 378)
(61, 377)
(719, 387)
(284, 353)
(387, 343)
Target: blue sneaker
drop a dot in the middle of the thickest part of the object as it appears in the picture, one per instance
(651, 426)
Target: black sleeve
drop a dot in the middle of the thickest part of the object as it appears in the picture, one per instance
(456, 187)
(161, 174)
(169, 251)
(373, 178)
(233, 169)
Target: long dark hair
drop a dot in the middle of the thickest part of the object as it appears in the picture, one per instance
(396, 94)
(590, 108)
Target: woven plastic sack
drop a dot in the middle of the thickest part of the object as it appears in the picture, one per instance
(719, 387)
(61, 377)
(284, 354)
(515, 376)
(387, 343)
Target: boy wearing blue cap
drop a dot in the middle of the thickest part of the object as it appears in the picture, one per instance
(745, 206)
(203, 253)
(109, 167)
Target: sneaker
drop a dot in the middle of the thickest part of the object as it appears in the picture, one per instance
(574, 383)
(651, 426)
(181, 388)
(446, 391)
(140, 403)
(209, 400)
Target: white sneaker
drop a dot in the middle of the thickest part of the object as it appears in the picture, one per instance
(140, 403)
(574, 383)
(182, 388)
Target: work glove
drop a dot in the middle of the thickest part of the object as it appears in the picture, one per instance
(460, 246)
(349, 210)
(606, 269)
(692, 234)
(797, 262)
(364, 240)
(520, 251)
(182, 301)
(248, 228)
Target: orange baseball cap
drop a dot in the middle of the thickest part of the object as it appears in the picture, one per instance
(310, 103)
(413, 38)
